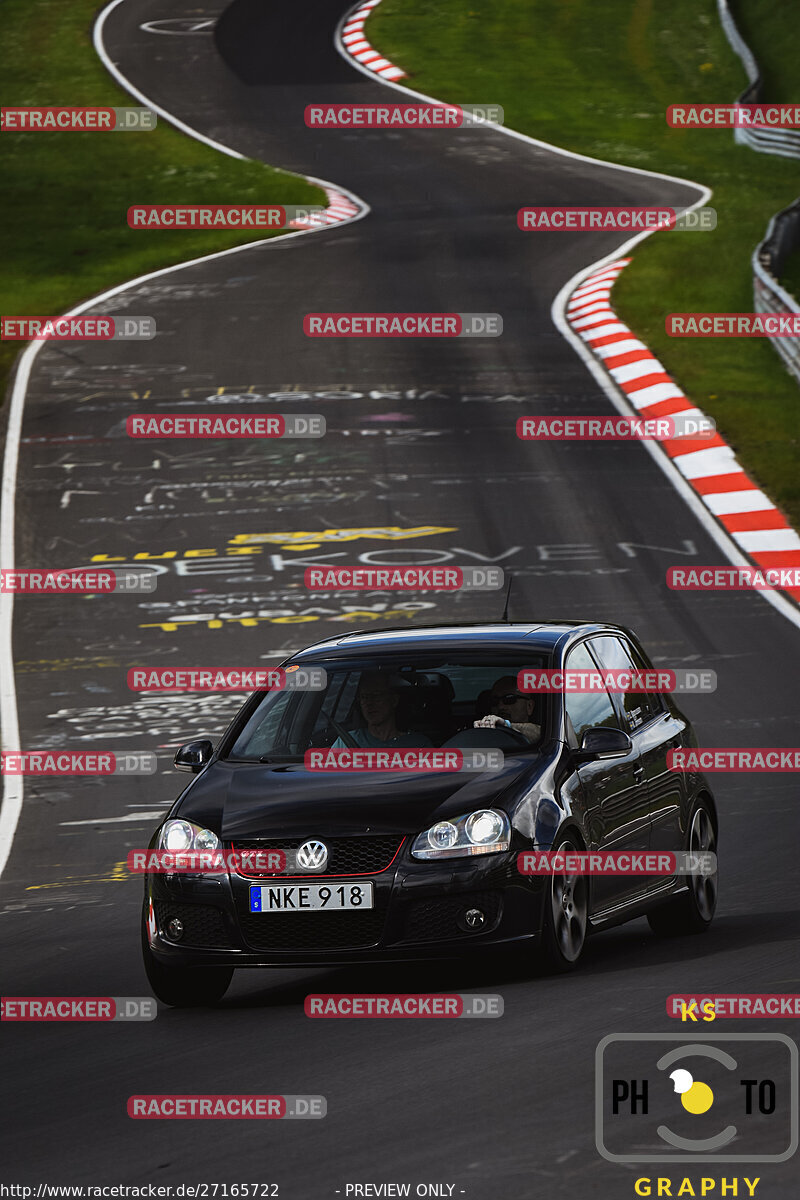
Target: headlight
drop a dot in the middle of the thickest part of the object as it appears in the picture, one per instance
(486, 831)
(442, 836)
(204, 839)
(182, 835)
(484, 827)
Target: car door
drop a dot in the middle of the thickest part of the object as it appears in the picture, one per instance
(617, 807)
(654, 730)
(663, 729)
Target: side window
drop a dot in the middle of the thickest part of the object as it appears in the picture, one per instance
(587, 709)
(266, 726)
(613, 656)
(338, 702)
(655, 701)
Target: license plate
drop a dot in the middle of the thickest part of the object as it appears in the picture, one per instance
(308, 897)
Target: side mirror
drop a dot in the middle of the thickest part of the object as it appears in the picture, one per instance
(602, 742)
(194, 756)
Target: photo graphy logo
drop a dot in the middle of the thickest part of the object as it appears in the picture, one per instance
(662, 1097)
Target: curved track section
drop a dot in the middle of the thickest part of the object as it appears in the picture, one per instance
(421, 462)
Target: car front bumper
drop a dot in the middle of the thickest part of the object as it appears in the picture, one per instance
(420, 913)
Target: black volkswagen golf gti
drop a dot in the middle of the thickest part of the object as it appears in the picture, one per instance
(391, 865)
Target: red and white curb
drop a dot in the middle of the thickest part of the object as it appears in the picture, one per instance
(357, 46)
(708, 465)
(340, 208)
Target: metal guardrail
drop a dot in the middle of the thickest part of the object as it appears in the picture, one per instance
(782, 237)
(785, 142)
(783, 232)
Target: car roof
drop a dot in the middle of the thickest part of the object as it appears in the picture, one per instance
(527, 636)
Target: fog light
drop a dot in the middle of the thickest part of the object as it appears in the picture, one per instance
(474, 918)
(175, 929)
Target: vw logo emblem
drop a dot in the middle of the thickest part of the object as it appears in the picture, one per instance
(312, 856)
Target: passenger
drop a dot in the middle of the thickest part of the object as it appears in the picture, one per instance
(509, 707)
(378, 702)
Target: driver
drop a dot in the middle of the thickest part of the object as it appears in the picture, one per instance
(509, 707)
(378, 702)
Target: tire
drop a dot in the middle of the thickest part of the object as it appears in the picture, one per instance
(693, 911)
(566, 917)
(184, 987)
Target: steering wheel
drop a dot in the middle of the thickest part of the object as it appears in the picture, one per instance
(520, 738)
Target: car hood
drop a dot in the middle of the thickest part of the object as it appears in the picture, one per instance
(248, 801)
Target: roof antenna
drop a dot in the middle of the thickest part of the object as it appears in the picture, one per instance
(508, 594)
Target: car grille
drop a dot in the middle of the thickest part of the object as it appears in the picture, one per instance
(364, 855)
(202, 925)
(436, 919)
(315, 930)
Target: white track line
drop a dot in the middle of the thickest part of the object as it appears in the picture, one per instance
(558, 314)
(13, 789)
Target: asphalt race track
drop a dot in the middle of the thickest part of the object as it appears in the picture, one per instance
(421, 435)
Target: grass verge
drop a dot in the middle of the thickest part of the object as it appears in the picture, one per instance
(597, 78)
(64, 237)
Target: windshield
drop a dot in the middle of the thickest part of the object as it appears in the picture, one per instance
(393, 701)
